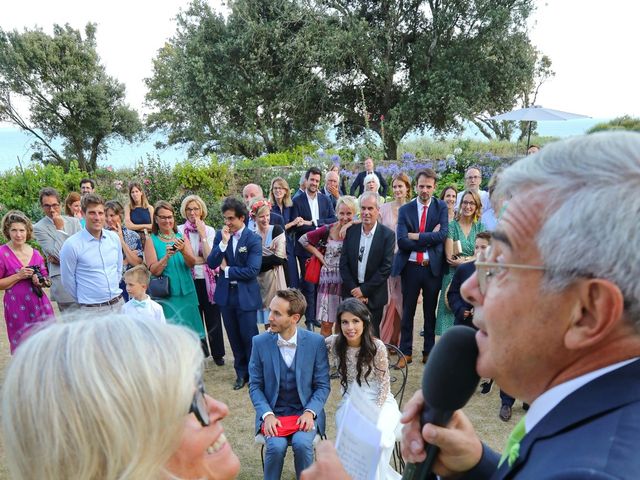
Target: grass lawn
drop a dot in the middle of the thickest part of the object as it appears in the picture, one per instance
(239, 426)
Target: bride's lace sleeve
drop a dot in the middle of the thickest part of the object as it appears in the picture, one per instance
(381, 372)
(331, 353)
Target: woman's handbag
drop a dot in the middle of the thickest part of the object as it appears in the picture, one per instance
(159, 287)
(312, 269)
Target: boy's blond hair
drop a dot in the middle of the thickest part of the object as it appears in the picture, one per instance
(139, 273)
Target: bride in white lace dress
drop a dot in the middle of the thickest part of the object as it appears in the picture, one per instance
(361, 358)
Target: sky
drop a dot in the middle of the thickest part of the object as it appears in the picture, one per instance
(593, 45)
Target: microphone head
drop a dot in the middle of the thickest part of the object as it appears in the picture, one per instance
(450, 378)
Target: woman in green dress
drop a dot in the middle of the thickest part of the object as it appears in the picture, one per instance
(459, 248)
(169, 254)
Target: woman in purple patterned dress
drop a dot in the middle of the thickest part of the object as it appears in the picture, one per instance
(25, 304)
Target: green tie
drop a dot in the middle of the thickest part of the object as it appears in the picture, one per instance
(512, 449)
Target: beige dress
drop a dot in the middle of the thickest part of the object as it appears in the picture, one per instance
(392, 314)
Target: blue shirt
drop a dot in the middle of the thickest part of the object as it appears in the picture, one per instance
(91, 268)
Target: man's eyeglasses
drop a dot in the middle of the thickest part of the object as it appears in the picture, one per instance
(361, 254)
(199, 405)
(486, 270)
(474, 177)
(48, 206)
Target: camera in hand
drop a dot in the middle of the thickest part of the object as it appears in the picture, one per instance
(44, 281)
(172, 247)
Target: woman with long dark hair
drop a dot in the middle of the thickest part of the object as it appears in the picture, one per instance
(362, 359)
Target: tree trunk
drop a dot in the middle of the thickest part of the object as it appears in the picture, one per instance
(390, 148)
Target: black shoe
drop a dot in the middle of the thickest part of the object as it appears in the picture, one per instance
(240, 382)
(505, 413)
(525, 406)
(422, 333)
(485, 387)
(219, 361)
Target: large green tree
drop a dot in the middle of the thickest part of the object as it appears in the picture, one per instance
(395, 66)
(68, 93)
(242, 85)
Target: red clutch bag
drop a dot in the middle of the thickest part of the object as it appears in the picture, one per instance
(312, 269)
(289, 426)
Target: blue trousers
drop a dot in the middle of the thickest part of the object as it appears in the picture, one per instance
(415, 278)
(276, 450)
(241, 327)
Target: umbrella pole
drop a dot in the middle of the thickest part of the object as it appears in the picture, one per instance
(529, 135)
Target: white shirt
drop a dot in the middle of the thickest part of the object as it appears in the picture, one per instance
(365, 247)
(289, 353)
(552, 397)
(150, 311)
(425, 254)
(91, 268)
(194, 239)
(315, 210)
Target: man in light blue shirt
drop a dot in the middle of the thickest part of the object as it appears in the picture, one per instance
(91, 262)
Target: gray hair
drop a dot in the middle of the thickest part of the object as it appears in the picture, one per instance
(371, 177)
(366, 195)
(99, 398)
(591, 208)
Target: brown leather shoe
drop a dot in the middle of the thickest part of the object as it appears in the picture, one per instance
(403, 362)
(425, 357)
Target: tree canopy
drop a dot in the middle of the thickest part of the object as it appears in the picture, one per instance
(69, 95)
(243, 85)
(272, 73)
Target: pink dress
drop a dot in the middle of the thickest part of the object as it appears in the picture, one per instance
(22, 306)
(390, 324)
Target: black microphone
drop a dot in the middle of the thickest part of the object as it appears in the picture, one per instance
(448, 381)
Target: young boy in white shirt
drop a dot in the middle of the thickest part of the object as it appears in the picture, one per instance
(140, 304)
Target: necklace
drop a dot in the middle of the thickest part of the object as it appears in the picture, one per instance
(164, 236)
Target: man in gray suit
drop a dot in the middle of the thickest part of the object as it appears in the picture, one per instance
(51, 232)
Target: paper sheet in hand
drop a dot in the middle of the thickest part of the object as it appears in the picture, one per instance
(358, 439)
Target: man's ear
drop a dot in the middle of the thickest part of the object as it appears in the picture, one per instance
(597, 312)
(297, 316)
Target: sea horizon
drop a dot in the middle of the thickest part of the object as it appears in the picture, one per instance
(16, 144)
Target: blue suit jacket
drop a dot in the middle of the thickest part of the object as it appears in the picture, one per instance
(244, 269)
(458, 304)
(312, 374)
(432, 242)
(301, 209)
(593, 433)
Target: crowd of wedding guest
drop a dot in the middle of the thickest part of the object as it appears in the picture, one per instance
(355, 266)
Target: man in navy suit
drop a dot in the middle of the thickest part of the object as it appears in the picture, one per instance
(251, 191)
(357, 187)
(316, 210)
(238, 252)
(422, 229)
(557, 307)
(365, 262)
(289, 385)
(332, 187)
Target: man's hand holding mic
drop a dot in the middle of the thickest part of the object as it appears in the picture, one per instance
(460, 447)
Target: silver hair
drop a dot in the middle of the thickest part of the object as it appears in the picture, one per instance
(366, 195)
(98, 398)
(371, 177)
(590, 188)
(194, 198)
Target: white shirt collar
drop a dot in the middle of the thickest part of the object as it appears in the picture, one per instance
(371, 232)
(292, 340)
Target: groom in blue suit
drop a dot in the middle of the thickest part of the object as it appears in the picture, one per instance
(238, 252)
(289, 385)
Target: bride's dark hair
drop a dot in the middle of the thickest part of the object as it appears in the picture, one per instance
(367, 345)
